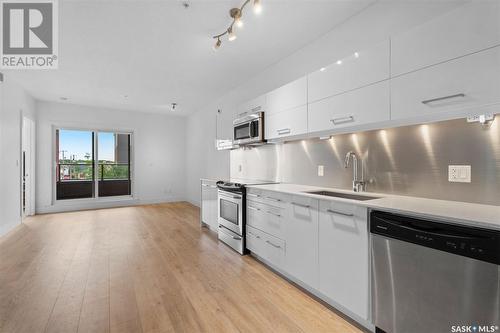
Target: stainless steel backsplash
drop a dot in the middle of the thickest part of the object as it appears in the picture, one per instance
(410, 160)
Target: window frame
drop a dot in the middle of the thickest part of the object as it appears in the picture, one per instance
(95, 130)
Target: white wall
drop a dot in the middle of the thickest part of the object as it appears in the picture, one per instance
(14, 104)
(373, 25)
(159, 153)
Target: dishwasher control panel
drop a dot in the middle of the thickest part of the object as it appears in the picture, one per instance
(477, 243)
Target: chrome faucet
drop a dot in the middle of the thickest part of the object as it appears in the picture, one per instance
(358, 185)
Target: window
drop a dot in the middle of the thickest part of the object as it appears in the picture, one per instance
(91, 164)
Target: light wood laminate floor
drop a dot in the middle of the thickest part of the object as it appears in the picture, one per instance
(143, 269)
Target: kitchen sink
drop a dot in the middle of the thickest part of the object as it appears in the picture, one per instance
(343, 195)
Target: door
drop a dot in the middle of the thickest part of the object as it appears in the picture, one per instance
(28, 167)
(231, 211)
(343, 255)
(301, 234)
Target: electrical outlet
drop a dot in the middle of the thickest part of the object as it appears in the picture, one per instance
(239, 168)
(459, 173)
(321, 170)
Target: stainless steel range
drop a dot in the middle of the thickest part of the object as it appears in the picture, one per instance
(232, 212)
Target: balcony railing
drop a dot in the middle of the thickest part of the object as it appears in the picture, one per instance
(77, 180)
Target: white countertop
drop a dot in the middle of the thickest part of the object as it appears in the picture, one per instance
(479, 215)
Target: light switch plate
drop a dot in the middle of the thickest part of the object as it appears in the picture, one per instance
(459, 173)
(321, 170)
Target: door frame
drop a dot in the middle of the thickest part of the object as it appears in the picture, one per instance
(28, 149)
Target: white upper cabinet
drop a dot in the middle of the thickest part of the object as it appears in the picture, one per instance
(438, 92)
(467, 29)
(257, 104)
(224, 123)
(287, 123)
(370, 104)
(361, 68)
(287, 97)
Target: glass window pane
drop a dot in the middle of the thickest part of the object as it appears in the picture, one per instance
(75, 164)
(113, 171)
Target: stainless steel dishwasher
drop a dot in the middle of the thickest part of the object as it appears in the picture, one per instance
(430, 276)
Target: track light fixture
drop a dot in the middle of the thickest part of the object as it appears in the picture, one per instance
(236, 14)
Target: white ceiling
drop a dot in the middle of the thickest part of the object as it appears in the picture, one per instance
(158, 52)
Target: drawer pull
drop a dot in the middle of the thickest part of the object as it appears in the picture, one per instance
(273, 199)
(253, 208)
(256, 236)
(236, 238)
(342, 120)
(205, 185)
(273, 245)
(339, 213)
(300, 205)
(283, 131)
(429, 101)
(277, 215)
(253, 195)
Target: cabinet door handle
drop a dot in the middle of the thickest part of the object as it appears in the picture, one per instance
(257, 108)
(273, 245)
(283, 131)
(277, 215)
(429, 101)
(342, 120)
(205, 185)
(300, 205)
(253, 208)
(242, 113)
(273, 199)
(236, 238)
(339, 213)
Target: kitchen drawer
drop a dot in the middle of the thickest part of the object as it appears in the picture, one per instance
(271, 198)
(274, 250)
(357, 70)
(286, 123)
(267, 218)
(267, 247)
(255, 241)
(276, 199)
(366, 105)
(289, 96)
(469, 28)
(342, 209)
(440, 90)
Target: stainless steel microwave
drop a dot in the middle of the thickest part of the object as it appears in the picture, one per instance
(249, 130)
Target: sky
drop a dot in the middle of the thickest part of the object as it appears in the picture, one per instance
(80, 142)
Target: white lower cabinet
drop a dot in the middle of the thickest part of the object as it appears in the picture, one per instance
(301, 235)
(322, 245)
(267, 218)
(269, 248)
(209, 213)
(343, 255)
